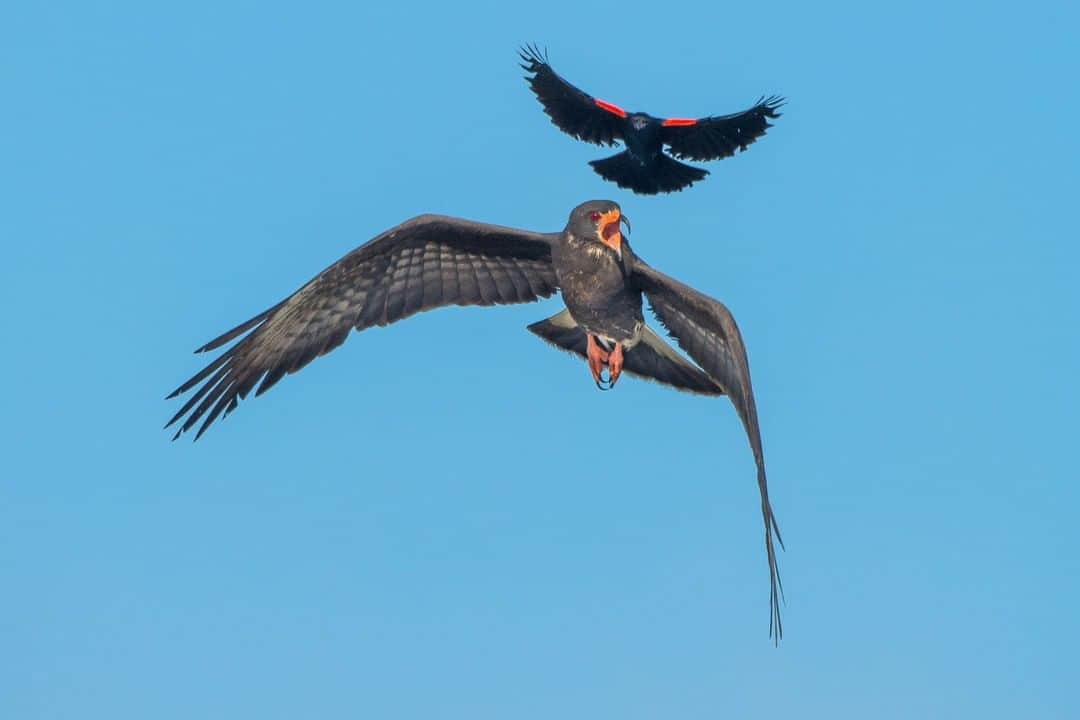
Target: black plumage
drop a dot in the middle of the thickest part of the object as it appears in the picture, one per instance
(643, 166)
(432, 261)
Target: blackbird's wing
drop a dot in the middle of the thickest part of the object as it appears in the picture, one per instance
(571, 110)
(706, 331)
(426, 262)
(717, 137)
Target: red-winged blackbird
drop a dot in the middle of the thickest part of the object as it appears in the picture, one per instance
(643, 166)
(434, 261)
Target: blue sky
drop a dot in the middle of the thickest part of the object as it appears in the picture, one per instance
(444, 518)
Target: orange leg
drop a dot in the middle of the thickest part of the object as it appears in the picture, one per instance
(597, 357)
(615, 361)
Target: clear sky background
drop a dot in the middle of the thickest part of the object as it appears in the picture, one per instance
(444, 518)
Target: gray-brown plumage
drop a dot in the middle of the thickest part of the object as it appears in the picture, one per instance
(432, 261)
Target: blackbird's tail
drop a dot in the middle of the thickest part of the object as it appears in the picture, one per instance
(662, 174)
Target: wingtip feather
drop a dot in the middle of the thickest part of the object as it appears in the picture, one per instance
(531, 54)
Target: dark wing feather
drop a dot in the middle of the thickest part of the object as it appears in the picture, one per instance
(705, 329)
(713, 138)
(571, 110)
(424, 263)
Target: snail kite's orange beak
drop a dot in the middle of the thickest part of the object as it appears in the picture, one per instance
(609, 231)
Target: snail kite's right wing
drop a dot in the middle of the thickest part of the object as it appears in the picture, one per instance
(426, 262)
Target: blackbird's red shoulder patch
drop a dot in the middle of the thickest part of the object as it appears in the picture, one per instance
(678, 122)
(613, 109)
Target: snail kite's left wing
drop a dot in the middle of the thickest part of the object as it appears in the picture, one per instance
(705, 329)
(717, 137)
